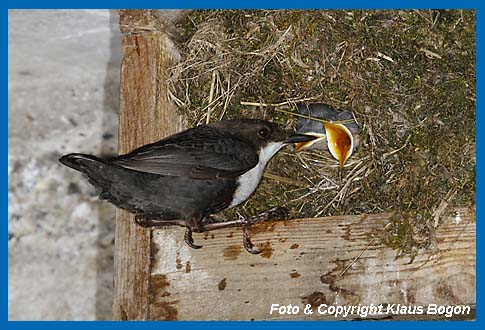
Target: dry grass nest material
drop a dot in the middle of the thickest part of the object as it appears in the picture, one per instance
(408, 76)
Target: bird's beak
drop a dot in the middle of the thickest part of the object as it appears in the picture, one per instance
(340, 142)
(303, 145)
(299, 138)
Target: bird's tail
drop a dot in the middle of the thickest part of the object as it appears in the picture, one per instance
(80, 161)
(101, 173)
(114, 183)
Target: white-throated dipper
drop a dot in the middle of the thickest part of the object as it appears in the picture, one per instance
(186, 177)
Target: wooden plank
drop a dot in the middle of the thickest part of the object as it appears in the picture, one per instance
(145, 116)
(333, 260)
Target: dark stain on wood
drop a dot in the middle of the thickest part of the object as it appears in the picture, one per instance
(328, 279)
(315, 299)
(263, 227)
(282, 240)
(230, 235)
(164, 311)
(188, 267)
(153, 254)
(350, 297)
(222, 284)
(346, 231)
(178, 262)
(160, 308)
(123, 315)
(159, 283)
(411, 298)
(137, 46)
(295, 274)
(291, 223)
(232, 252)
(266, 250)
(294, 246)
(443, 290)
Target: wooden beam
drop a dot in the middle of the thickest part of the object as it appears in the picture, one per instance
(334, 260)
(145, 116)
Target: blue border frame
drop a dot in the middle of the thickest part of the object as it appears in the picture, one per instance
(249, 4)
(305, 4)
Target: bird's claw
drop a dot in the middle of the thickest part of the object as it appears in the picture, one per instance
(189, 239)
(248, 245)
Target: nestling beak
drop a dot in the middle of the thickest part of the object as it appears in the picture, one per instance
(299, 138)
(340, 142)
(303, 145)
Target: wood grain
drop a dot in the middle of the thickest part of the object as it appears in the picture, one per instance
(145, 116)
(333, 260)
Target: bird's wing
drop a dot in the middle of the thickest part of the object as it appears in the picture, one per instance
(202, 153)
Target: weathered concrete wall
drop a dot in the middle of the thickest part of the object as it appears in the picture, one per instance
(63, 97)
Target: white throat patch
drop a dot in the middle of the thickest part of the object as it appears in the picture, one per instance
(247, 183)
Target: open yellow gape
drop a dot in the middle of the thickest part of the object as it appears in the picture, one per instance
(339, 140)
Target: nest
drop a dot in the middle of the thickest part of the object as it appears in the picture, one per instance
(408, 77)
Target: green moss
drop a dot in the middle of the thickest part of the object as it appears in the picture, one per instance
(408, 76)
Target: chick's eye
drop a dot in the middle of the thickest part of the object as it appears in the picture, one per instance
(263, 132)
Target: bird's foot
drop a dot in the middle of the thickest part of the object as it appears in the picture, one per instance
(208, 224)
(248, 245)
(189, 239)
(154, 221)
(274, 213)
(145, 222)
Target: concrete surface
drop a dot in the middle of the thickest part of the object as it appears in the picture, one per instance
(63, 97)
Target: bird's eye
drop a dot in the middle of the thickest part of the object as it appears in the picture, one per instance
(264, 132)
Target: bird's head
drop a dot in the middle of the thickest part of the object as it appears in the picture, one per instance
(266, 136)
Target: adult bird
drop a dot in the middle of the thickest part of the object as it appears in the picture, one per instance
(186, 177)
